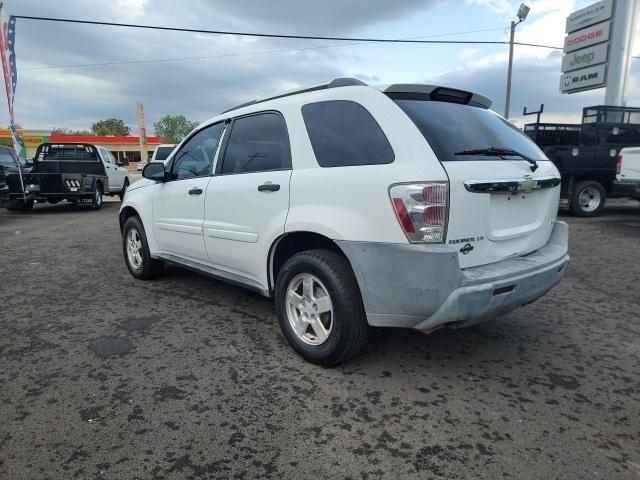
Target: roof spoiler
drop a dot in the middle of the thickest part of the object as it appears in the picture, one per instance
(434, 92)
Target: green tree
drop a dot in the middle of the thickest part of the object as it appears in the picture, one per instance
(173, 128)
(61, 131)
(110, 126)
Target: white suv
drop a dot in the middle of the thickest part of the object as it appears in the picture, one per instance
(399, 206)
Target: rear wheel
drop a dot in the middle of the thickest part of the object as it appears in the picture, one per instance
(319, 307)
(96, 200)
(136, 251)
(588, 199)
(19, 205)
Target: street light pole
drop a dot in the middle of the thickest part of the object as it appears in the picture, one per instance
(507, 101)
(523, 11)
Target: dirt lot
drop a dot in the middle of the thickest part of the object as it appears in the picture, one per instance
(107, 377)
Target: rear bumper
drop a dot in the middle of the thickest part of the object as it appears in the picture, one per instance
(630, 188)
(406, 286)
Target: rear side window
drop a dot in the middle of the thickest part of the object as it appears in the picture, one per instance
(257, 143)
(451, 128)
(163, 153)
(343, 133)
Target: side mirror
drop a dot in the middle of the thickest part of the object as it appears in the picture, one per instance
(154, 171)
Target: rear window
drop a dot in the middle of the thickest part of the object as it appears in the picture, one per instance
(344, 133)
(451, 128)
(6, 158)
(163, 153)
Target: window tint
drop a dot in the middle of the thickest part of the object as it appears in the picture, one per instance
(344, 133)
(256, 144)
(6, 158)
(196, 156)
(451, 128)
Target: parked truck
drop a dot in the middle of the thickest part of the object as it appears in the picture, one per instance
(588, 155)
(79, 173)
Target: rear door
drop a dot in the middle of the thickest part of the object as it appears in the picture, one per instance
(498, 207)
(248, 199)
(178, 204)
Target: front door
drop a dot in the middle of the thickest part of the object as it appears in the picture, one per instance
(248, 199)
(178, 204)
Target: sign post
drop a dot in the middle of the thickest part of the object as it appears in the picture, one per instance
(143, 132)
(625, 16)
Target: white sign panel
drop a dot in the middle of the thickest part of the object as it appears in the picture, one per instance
(585, 79)
(587, 57)
(589, 15)
(588, 36)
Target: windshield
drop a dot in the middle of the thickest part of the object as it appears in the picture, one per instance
(451, 128)
(163, 153)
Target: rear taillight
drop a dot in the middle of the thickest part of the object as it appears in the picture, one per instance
(421, 209)
(618, 164)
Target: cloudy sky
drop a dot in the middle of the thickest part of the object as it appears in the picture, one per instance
(200, 75)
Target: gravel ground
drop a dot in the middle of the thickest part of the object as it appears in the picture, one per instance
(107, 377)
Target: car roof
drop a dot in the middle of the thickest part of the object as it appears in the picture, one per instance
(302, 96)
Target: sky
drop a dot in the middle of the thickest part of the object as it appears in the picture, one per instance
(200, 75)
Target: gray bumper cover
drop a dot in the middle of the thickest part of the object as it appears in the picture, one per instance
(409, 286)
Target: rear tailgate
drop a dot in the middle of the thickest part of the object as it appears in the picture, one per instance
(500, 205)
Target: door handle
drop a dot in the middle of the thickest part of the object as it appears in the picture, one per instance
(195, 191)
(269, 187)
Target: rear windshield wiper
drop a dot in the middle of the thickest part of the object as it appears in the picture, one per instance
(499, 152)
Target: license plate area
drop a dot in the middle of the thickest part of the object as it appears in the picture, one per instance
(514, 214)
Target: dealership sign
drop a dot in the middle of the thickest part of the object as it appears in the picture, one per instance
(587, 57)
(584, 79)
(589, 15)
(586, 48)
(588, 36)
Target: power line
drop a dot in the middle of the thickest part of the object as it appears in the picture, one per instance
(225, 55)
(264, 35)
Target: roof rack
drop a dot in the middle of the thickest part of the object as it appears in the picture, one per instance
(335, 83)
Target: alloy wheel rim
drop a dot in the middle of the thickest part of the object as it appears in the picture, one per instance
(98, 196)
(134, 249)
(589, 199)
(309, 309)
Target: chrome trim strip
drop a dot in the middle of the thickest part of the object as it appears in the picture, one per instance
(514, 185)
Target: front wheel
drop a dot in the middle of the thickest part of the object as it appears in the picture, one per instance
(19, 205)
(136, 251)
(319, 307)
(588, 199)
(124, 189)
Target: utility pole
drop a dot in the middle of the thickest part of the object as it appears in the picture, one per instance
(621, 46)
(142, 132)
(523, 11)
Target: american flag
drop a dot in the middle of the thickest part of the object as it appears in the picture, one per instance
(8, 53)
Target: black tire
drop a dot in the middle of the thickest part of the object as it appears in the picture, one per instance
(124, 189)
(53, 201)
(349, 329)
(96, 200)
(588, 199)
(150, 268)
(19, 205)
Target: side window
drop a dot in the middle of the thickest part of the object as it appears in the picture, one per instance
(105, 155)
(6, 158)
(343, 133)
(256, 144)
(195, 158)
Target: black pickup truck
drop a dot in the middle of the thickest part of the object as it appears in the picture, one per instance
(79, 173)
(587, 154)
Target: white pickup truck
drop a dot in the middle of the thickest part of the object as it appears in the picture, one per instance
(627, 180)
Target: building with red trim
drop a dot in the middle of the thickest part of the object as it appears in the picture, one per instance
(121, 147)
